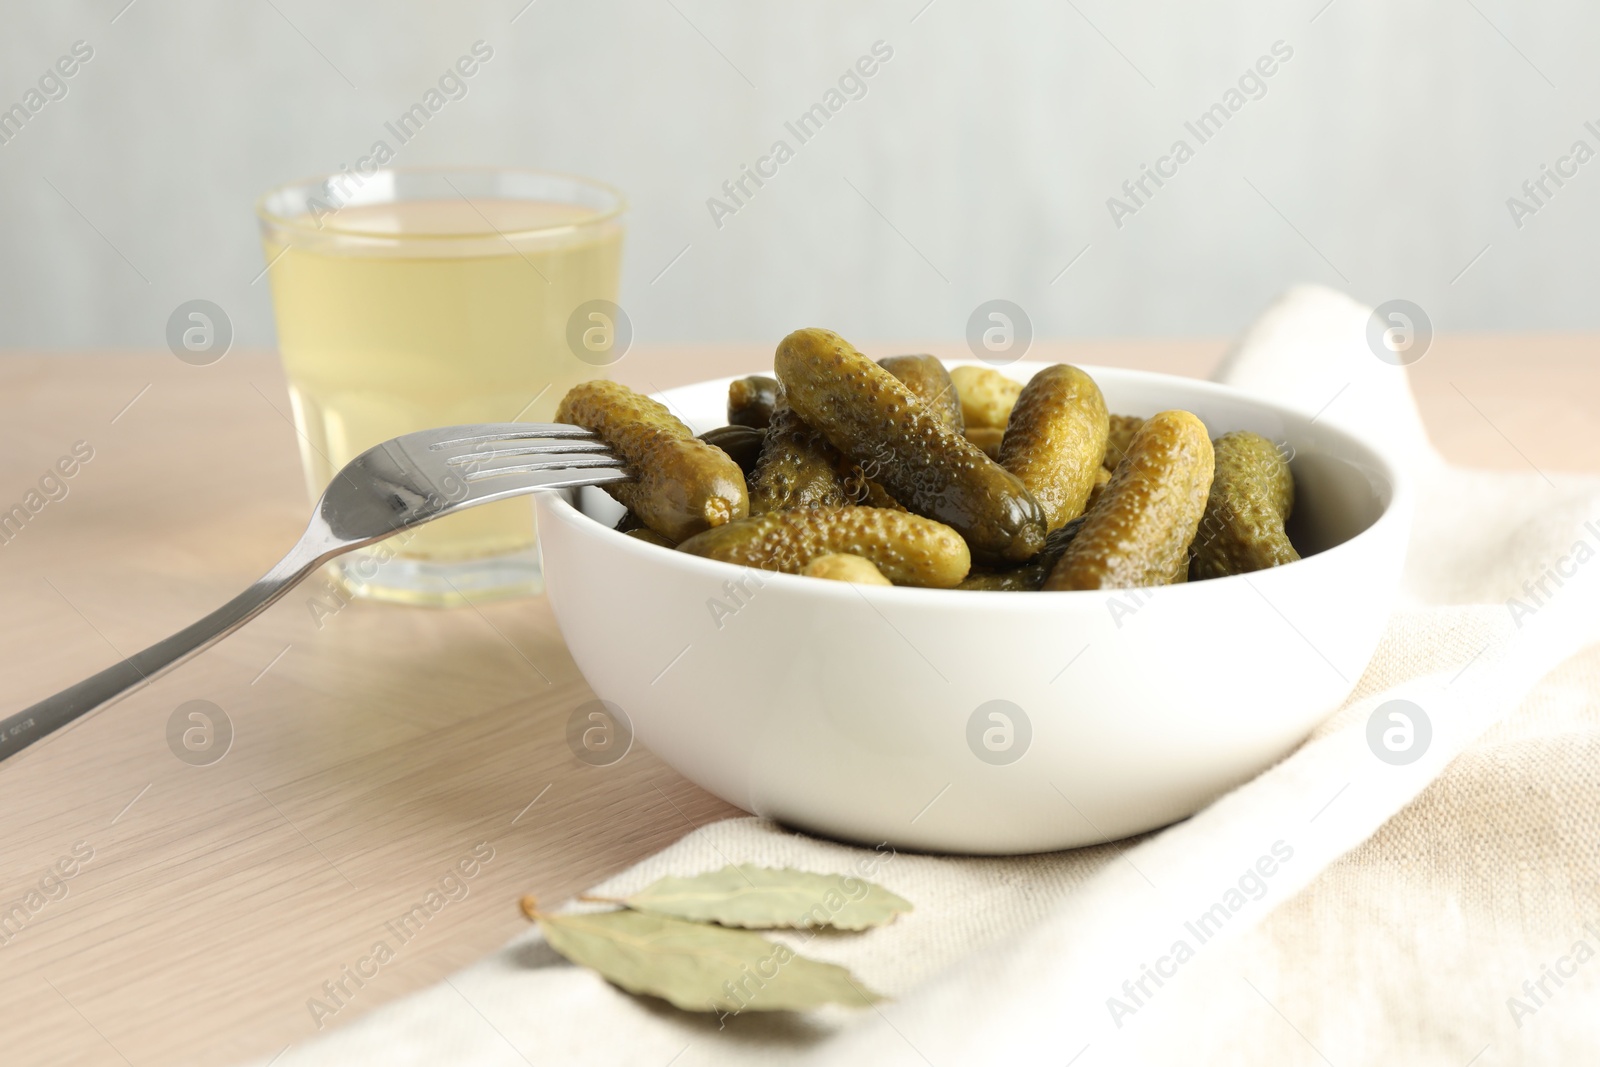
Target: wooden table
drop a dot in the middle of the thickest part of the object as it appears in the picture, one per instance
(374, 752)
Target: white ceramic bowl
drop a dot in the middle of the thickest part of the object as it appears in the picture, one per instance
(988, 722)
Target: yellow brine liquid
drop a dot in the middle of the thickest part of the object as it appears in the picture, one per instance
(463, 319)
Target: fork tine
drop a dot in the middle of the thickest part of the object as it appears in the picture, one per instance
(578, 478)
(532, 464)
(458, 436)
(534, 447)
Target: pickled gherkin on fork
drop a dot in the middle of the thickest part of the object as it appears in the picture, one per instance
(741, 443)
(681, 485)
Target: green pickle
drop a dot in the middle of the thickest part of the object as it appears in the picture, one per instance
(926, 376)
(752, 400)
(1252, 496)
(870, 416)
(681, 485)
(1055, 440)
(1145, 519)
(906, 548)
(986, 396)
(1119, 436)
(797, 468)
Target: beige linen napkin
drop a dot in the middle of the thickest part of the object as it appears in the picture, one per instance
(1337, 909)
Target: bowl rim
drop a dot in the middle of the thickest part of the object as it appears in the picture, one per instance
(1353, 448)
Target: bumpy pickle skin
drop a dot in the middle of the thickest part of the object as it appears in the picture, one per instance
(1055, 440)
(741, 443)
(906, 548)
(1144, 521)
(986, 396)
(926, 376)
(681, 485)
(844, 567)
(1252, 496)
(752, 400)
(932, 469)
(1118, 437)
(797, 468)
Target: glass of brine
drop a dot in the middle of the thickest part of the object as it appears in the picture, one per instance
(413, 298)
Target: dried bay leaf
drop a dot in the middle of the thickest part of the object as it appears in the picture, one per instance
(698, 967)
(766, 898)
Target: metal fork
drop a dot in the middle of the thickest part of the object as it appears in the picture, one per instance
(387, 489)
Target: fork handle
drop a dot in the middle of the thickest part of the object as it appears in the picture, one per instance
(19, 731)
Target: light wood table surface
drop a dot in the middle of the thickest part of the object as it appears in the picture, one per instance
(373, 753)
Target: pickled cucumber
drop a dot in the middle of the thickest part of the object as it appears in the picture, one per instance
(1119, 434)
(844, 567)
(797, 468)
(926, 376)
(906, 548)
(1252, 495)
(741, 443)
(752, 400)
(1141, 527)
(869, 416)
(986, 396)
(1056, 439)
(681, 485)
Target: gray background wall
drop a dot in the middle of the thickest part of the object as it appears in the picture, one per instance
(978, 164)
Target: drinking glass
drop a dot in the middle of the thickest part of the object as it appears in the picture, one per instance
(413, 298)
